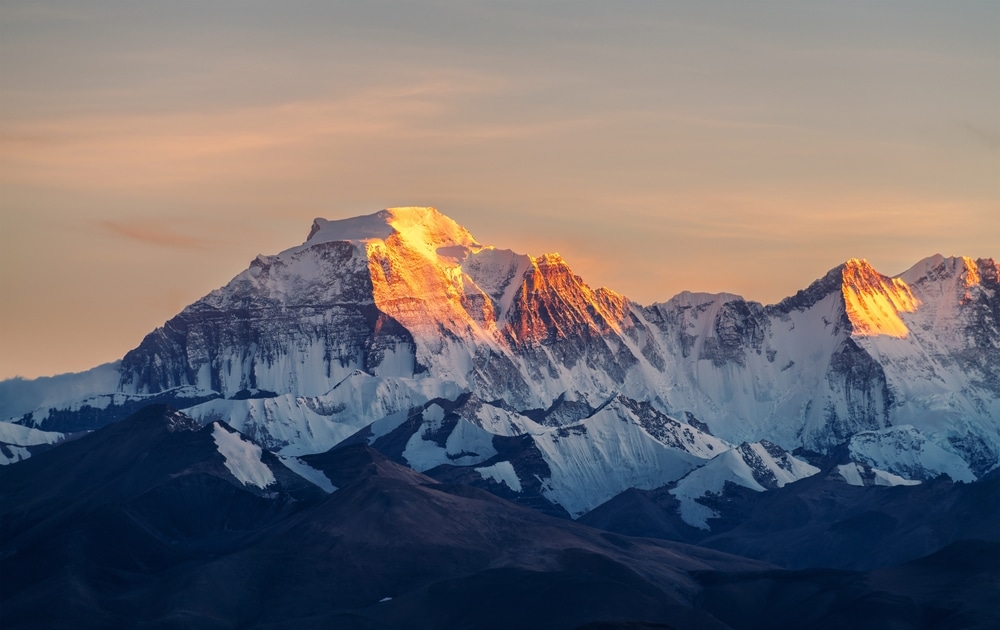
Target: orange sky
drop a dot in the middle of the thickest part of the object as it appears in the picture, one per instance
(149, 152)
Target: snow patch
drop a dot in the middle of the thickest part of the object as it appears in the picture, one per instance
(310, 474)
(372, 226)
(465, 445)
(18, 435)
(242, 458)
(14, 440)
(906, 452)
(501, 472)
(17, 454)
(855, 474)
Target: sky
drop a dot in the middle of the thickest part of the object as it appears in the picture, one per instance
(150, 150)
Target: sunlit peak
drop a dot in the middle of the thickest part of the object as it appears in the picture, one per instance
(972, 277)
(874, 302)
(550, 259)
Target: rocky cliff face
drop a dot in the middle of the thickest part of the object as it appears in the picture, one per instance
(299, 322)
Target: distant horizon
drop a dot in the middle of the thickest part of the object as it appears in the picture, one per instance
(149, 151)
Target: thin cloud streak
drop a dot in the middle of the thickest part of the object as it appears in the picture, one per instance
(151, 234)
(987, 138)
(124, 151)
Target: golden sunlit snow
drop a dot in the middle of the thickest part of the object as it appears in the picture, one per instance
(874, 301)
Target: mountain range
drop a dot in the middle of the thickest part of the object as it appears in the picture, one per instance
(399, 342)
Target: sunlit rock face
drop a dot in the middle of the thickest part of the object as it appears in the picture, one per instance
(553, 304)
(376, 315)
(417, 278)
(874, 302)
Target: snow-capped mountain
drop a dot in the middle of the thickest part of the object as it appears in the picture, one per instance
(855, 351)
(575, 466)
(760, 466)
(448, 352)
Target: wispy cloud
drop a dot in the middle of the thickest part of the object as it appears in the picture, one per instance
(152, 233)
(985, 137)
(130, 151)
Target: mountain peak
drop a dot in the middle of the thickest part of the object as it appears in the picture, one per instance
(422, 227)
(937, 267)
(873, 301)
(550, 259)
(371, 226)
